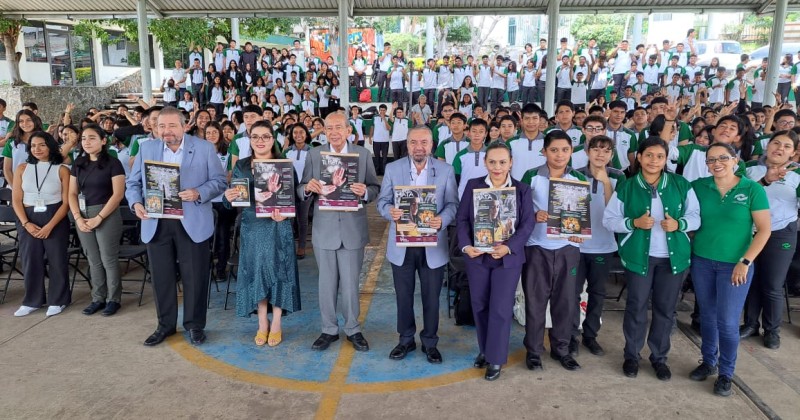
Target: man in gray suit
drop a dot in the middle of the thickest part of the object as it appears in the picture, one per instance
(418, 170)
(185, 240)
(339, 237)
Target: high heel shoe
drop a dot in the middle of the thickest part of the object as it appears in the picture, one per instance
(274, 338)
(261, 338)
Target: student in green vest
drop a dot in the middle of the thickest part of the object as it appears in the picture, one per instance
(652, 212)
(780, 177)
(722, 253)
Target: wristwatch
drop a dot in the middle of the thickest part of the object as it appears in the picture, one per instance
(745, 261)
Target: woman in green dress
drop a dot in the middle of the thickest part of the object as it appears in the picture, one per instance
(267, 264)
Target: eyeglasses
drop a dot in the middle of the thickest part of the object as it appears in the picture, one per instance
(594, 129)
(721, 159)
(784, 123)
(264, 138)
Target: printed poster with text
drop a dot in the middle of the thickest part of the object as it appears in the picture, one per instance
(568, 209)
(338, 172)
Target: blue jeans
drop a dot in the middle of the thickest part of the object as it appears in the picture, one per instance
(721, 304)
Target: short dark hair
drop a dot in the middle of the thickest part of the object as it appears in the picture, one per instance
(254, 109)
(478, 122)
(531, 108)
(600, 141)
(554, 135)
(595, 119)
(565, 102)
(459, 116)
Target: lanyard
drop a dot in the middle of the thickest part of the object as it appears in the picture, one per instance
(36, 171)
(82, 183)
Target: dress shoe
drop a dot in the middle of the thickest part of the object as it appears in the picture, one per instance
(747, 331)
(301, 253)
(400, 351)
(662, 371)
(111, 309)
(593, 346)
(359, 342)
(772, 340)
(324, 341)
(433, 355)
(574, 347)
(567, 361)
(480, 361)
(158, 337)
(630, 368)
(492, 372)
(93, 308)
(197, 336)
(533, 361)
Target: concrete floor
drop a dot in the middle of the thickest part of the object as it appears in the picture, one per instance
(73, 366)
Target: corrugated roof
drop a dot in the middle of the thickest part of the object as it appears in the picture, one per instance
(266, 8)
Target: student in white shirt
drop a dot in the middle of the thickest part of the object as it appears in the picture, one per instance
(483, 73)
(528, 77)
(380, 137)
(399, 126)
(578, 91)
(498, 82)
(564, 79)
(358, 124)
(512, 82)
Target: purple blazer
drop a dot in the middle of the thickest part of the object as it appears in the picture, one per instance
(524, 226)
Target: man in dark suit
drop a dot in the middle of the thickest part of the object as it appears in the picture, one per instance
(339, 237)
(184, 240)
(419, 170)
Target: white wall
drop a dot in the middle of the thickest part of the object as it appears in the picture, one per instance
(37, 74)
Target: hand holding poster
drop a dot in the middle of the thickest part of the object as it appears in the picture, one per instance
(419, 207)
(242, 185)
(568, 209)
(495, 211)
(273, 187)
(338, 173)
(162, 185)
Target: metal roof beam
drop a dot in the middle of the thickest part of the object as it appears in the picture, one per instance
(767, 4)
(155, 8)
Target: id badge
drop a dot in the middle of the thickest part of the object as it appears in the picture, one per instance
(38, 206)
(82, 202)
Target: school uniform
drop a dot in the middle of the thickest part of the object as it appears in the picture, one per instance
(381, 138)
(765, 297)
(469, 164)
(655, 261)
(498, 86)
(527, 154)
(399, 134)
(484, 84)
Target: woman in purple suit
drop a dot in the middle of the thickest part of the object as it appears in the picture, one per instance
(493, 274)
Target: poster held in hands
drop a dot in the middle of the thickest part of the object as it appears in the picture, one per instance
(162, 185)
(568, 209)
(495, 213)
(242, 185)
(273, 187)
(419, 207)
(338, 173)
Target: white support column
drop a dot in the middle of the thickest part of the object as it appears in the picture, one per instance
(235, 31)
(637, 29)
(144, 50)
(344, 66)
(552, 46)
(775, 42)
(158, 55)
(429, 35)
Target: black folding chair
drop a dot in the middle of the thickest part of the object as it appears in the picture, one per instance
(7, 215)
(9, 231)
(233, 261)
(213, 247)
(134, 253)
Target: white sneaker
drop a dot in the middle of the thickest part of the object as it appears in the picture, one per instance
(24, 310)
(54, 310)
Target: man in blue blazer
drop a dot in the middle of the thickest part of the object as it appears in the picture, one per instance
(184, 240)
(417, 170)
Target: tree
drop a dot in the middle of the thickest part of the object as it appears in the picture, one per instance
(607, 30)
(479, 33)
(9, 32)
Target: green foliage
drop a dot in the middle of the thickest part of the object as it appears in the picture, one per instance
(459, 30)
(89, 28)
(83, 74)
(606, 29)
(261, 27)
(405, 42)
(8, 25)
(386, 25)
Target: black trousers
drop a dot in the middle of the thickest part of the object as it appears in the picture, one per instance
(399, 149)
(664, 287)
(563, 94)
(399, 96)
(382, 81)
(765, 297)
(528, 94)
(430, 285)
(497, 98)
(619, 81)
(171, 243)
(592, 269)
(540, 86)
(359, 81)
(381, 150)
(226, 218)
(430, 95)
(33, 252)
(549, 276)
(595, 93)
(483, 97)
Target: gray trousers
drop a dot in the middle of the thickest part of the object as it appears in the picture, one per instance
(483, 96)
(549, 275)
(497, 98)
(339, 271)
(101, 247)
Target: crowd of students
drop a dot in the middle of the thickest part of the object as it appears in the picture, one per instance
(679, 182)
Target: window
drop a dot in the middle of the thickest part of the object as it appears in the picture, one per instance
(512, 31)
(662, 17)
(2, 51)
(35, 47)
(122, 52)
